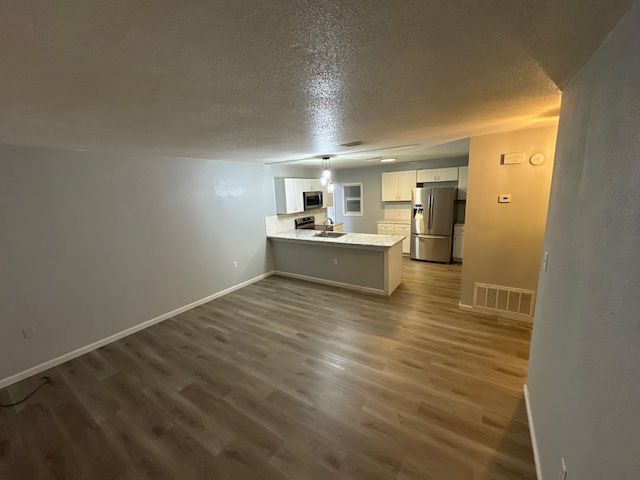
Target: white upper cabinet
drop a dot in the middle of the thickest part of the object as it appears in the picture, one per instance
(449, 174)
(463, 173)
(406, 183)
(311, 185)
(397, 186)
(289, 197)
(427, 175)
(389, 186)
(314, 185)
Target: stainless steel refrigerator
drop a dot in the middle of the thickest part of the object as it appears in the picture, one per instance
(432, 223)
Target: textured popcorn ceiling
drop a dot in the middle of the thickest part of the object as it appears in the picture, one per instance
(270, 81)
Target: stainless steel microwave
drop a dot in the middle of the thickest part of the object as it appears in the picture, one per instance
(312, 200)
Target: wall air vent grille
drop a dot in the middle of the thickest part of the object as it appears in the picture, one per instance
(503, 299)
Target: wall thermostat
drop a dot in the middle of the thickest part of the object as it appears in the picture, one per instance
(537, 159)
(511, 158)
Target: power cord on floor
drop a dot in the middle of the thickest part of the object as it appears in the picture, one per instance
(46, 380)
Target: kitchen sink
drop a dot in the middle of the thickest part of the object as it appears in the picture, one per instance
(330, 234)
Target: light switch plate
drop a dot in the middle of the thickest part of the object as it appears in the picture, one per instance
(506, 198)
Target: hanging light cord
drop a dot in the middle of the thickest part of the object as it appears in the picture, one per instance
(46, 380)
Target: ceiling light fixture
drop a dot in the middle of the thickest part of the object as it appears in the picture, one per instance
(325, 179)
(387, 160)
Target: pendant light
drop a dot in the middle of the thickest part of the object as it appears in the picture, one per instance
(325, 179)
(326, 168)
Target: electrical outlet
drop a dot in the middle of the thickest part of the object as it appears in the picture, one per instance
(335, 261)
(28, 332)
(563, 470)
(235, 264)
(545, 261)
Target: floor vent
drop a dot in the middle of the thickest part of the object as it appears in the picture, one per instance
(503, 299)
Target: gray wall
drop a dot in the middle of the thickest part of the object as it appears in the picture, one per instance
(584, 371)
(92, 244)
(355, 266)
(371, 179)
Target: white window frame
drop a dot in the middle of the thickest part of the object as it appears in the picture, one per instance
(344, 200)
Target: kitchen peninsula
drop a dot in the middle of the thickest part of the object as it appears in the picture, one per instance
(360, 261)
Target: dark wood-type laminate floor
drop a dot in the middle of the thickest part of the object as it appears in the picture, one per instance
(288, 380)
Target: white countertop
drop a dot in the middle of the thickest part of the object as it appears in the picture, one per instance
(362, 239)
(399, 222)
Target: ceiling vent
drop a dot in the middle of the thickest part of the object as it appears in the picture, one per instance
(352, 144)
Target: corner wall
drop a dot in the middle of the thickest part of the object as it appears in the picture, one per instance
(584, 368)
(92, 244)
(503, 241)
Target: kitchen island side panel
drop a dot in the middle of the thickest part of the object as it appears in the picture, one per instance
(359, 267)
(393, 263)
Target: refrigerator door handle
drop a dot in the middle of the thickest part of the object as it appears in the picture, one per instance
(430, 213)
(430, 236)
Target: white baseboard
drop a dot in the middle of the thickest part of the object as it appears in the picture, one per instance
(112, 338)
(466, 308)
(496, 313)
(532, 433)
(350, 286)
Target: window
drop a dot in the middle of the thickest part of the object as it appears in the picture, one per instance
(352, 199)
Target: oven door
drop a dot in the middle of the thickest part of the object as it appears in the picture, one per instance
(312, 200)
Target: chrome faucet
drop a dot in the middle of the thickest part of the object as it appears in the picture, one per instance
(326, 227)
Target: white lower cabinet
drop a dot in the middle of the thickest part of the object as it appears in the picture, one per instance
(397, 229)
(386, 229)
(406, 231)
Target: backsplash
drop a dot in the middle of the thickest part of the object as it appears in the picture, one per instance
(397, 211)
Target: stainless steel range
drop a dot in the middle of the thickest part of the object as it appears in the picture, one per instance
(309, 223)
